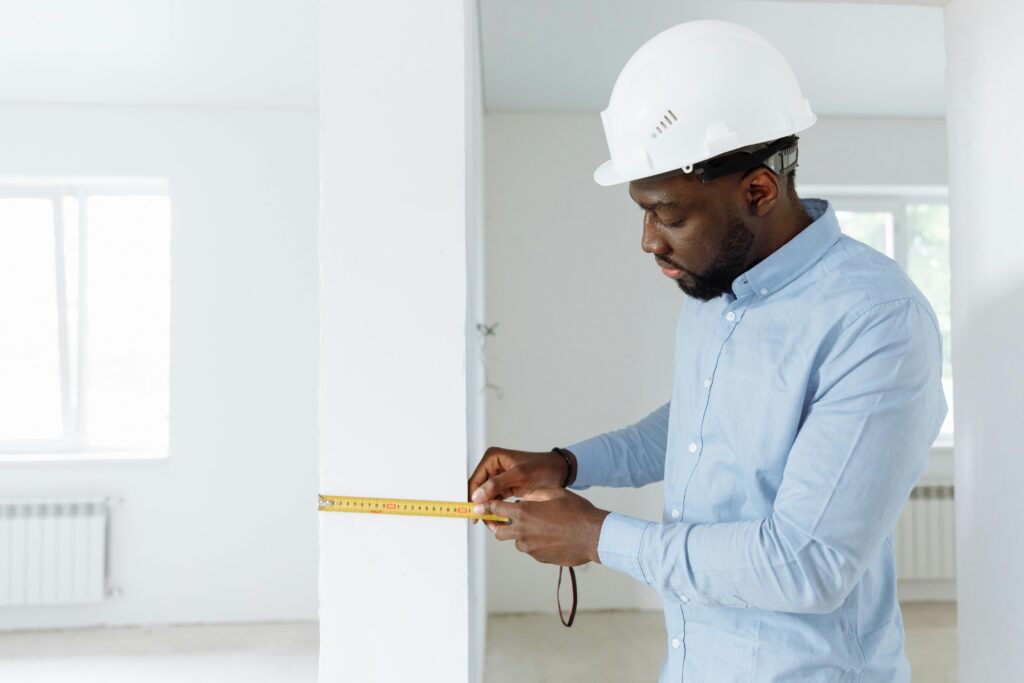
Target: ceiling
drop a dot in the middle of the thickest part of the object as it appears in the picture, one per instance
(149, 52)
(851, 59)
(931, 3)
(553, 55)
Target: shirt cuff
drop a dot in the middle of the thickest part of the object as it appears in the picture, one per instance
(588, 463)
(621, 544)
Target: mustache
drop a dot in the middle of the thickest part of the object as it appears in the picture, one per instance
(669, 263)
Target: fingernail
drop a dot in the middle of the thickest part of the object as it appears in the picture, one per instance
(478, 495)
(478, 509)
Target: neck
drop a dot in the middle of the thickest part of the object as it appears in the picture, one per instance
(781, 226)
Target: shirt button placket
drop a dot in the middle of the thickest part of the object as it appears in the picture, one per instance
(678, 643)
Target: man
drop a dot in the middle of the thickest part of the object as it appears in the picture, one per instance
(806, 390)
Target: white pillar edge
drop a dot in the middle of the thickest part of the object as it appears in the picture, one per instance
(393, 415)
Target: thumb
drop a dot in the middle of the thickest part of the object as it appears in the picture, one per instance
(498, 486)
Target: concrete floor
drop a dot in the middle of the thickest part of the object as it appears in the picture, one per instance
(532, 648)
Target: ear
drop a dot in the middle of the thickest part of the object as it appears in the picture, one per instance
(761, 190)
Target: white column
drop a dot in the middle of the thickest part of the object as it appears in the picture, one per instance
(394, 82)
(985, 94)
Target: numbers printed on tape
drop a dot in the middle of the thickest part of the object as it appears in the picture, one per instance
(403, 506)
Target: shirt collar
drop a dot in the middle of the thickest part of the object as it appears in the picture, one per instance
(794, 257)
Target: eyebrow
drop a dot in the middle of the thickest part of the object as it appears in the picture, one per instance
(652, 206)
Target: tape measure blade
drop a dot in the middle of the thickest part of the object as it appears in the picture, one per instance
(404, 506)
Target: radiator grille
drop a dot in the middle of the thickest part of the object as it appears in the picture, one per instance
(925, 535)
(53, 550)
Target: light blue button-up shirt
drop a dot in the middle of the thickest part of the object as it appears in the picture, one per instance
(802, 414)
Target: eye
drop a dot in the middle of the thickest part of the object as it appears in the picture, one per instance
(676, 223)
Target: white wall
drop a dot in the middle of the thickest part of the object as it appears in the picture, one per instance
(398, 217)
(584, 342)
(847, 151)
(986, 98)
(225, 528)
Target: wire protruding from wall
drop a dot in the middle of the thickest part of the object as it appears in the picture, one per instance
(485, 332)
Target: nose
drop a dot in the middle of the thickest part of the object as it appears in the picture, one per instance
(651, 241)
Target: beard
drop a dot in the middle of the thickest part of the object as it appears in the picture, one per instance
(730, 262)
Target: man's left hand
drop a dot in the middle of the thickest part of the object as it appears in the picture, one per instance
(554, 526)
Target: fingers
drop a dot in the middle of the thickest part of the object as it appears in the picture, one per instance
(493, 463)
(491, 508)
(500, 507)
(483, 509)
(504, 532)
(479, 476)
(498, 486)
(500, 530)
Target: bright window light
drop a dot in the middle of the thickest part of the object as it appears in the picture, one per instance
(85, 313)
(873, 228)
(928, 266)
(30, 390)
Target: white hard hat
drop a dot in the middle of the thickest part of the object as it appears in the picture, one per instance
(694, 92)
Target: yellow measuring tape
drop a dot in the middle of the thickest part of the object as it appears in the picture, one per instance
(432, 508)
(403, 506)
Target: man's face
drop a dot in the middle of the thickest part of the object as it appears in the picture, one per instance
(695, 232)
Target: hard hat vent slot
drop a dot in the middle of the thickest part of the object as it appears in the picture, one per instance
(667, 120)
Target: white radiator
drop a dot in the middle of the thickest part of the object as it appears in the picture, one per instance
(925, 535)
(53, 551)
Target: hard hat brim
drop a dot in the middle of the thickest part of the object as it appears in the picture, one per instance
(606, 175)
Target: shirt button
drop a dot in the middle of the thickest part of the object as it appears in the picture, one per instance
(693, 448)
(730, 316)
(675, 513)
(676, 643)
(683, 599)
(707, 383)
(764, 291)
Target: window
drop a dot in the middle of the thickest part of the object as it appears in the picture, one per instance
(84, 319)
(910, 225)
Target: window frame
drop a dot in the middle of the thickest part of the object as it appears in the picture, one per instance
(71, 445)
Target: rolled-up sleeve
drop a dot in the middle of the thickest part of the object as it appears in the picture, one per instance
(877, 407)
(632, 456)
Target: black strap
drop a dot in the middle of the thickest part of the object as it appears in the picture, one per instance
(558, 596)
(785, 147)
(570, 471)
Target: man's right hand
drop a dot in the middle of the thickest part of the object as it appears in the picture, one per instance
(503, 473)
